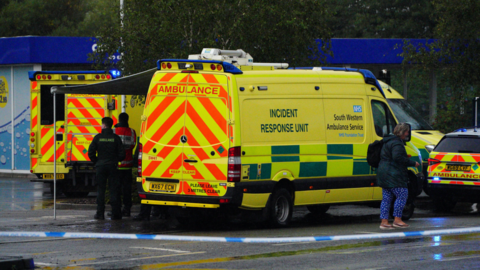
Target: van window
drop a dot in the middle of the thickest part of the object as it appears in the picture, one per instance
(382, 118)
(46, 110)
(459, 145)
(406, 113)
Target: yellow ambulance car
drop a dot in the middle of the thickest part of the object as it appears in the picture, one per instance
(454, 170)
(78, 120)
(424, 136)
(220, 132)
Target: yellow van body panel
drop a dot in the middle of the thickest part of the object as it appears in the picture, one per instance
(306, 130)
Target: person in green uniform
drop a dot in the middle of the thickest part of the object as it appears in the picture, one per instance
(105, 151)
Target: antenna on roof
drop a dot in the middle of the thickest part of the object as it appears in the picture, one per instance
(236, 57)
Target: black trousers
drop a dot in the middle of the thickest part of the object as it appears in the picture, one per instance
(125, 190)
(103, 174)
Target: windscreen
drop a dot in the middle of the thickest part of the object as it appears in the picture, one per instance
(459, 145)
(405, 113)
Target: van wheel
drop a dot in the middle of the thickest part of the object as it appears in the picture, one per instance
(281, 208)
(318, 209)
(407, 211)
(443, 204)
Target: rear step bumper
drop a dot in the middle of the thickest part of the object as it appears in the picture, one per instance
(234, 194)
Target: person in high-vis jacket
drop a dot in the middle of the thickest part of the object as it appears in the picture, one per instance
(105, 151)
(125, 177)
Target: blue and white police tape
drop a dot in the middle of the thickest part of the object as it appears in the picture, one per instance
(240, 239)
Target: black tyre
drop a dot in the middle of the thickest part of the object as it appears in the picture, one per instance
(443, 204)
(407, 213)
(281, 208)
(318, 209)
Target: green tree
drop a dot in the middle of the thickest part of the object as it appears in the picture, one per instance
(271, 31)
(381, 19)
(54, 17)
(455, 56)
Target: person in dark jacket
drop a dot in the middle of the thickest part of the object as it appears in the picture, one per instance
(105, 151)
(392, 176)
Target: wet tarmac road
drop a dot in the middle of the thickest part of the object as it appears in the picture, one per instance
(26, 206)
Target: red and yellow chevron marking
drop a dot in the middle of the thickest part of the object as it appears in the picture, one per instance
(78, 151)
(46, 142)
(34, 122)
(84, 121)
(33, 163)
(197, 106)
(455, 177)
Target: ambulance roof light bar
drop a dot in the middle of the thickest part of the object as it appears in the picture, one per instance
(236, 57)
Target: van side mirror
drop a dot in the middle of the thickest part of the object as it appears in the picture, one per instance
(409, 137)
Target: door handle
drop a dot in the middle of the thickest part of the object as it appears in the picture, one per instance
(190, 160)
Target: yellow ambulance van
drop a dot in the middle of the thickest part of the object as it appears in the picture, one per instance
(220, 132)
(78, 120)
(424, 136)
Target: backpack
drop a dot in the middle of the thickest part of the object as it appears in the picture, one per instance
(373, 153)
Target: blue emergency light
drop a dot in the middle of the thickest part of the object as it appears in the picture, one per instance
(115, 73)
(436, 178)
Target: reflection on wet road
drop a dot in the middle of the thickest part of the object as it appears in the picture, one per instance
(22, 195)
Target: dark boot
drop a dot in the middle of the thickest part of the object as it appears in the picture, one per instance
(114, 217)
(99, 216)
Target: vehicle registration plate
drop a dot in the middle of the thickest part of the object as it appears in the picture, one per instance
(465, 168)
(50, 176)
(164, 187)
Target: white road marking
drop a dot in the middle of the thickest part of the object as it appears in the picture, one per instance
(162, 249)
(137, 259)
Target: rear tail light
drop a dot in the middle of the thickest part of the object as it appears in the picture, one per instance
(432, 161)
(140, 149)
(224, 200)
(142, 196)
(169, 66)
(49, 77)
(97, 77)
(213, 67)
(234, 164)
